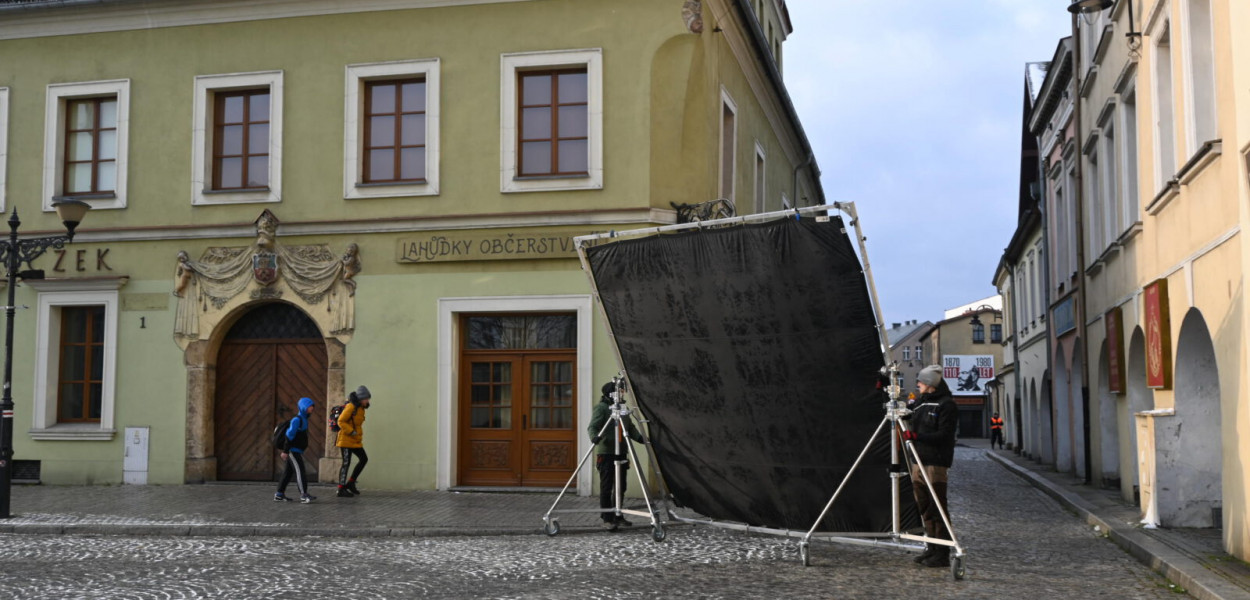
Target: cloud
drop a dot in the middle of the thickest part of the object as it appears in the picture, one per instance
(913, 109)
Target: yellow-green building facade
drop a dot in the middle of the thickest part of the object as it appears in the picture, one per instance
(378, 193)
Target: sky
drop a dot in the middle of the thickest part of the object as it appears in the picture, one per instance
(913, 109)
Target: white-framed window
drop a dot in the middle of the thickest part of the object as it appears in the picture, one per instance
(75, 359)
(1111, 204)
(391, 129)
(919, 353)
(906, 352)
(85, 142)
(1130, 204)
(760, 170)
(4, 144)
(1164, 124)
(236, 153)
(552, 137)
(1094, 202)
(728, 144)
(1200, 74)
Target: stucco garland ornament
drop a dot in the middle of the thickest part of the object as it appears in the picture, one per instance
(312, 272)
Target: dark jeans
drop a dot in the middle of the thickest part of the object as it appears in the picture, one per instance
(606, 464)
(347, 453)
(996, 437)
(294, 468)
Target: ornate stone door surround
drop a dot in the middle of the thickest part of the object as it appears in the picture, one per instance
(225, 283)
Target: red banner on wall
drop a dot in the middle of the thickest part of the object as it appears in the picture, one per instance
(1115, 351)
(1158, 336)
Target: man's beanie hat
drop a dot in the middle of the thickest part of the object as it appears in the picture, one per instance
(362, 393)
(930, 375)
(608, 388)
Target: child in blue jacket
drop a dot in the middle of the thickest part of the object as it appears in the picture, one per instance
(293, 454)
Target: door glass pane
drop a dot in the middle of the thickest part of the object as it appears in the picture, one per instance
(413, 130)
(232, 139)
(503, 418)
(80, 145)
(381, 131)
(541, 418)
(540, 372)
(258, 171)
(502, 373)
(480, 372)
(535, 89)
(233, 110)
(573, 121)
(535, 158)
(258, 107)
(107, 174)
(572, 87)
(97, 363)
(562, 395)
(573, 156)
(108, 144)
(108, 114)
(258, 139)
(561, 418)
(564, 371)
(480, 394)
(480, 417)
(231, 172)
(97, 323)
(79, 178)
(381, 165)
(412, 163)
(540, 395)
(521, 332)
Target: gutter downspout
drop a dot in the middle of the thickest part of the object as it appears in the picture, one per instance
(1044, 259)
(1015, 355)
(1082, 331)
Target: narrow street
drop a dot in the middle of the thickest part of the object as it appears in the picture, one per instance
(1019, 542)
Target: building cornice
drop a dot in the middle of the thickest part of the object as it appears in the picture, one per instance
(74, 17)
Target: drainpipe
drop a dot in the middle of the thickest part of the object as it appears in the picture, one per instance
(794, 195)
(1080, 245)
(1015, 355)
(1044, 259)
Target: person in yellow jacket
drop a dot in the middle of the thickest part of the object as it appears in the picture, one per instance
(351, 440)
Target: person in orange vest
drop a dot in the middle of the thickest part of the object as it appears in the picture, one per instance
(996, 432)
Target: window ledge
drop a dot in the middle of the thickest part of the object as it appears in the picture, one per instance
(1199, 162)
(1165, 196)
(1133, 231)
(73, 432)
(85, 197)
(234, 191)
(549, 177)
(1094, 268)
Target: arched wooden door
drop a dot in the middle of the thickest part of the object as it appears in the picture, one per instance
(272, 357)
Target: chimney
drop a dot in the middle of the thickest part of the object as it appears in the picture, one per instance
(896, 326)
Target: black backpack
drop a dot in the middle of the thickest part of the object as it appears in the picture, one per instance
(334, 417)
(279, 435)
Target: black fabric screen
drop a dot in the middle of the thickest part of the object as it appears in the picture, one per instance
(753, 351)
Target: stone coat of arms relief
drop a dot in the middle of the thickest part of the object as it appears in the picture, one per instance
(224, 278)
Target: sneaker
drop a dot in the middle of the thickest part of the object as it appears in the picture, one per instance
(307, 498)
(344, 493)
(609, 525)
(281, 498)
(351, 487)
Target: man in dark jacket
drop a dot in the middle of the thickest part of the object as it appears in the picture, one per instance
(931, 431)
(606, 455)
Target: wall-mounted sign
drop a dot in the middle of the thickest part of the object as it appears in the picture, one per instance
(1158, 335)
(1064, 317)
(966, 375)
(447, 246)
(1115, 351)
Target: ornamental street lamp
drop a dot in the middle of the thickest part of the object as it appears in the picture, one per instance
(14, 253)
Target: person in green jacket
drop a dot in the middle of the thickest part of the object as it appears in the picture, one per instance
(606, 455)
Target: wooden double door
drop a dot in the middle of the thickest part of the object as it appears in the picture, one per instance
(518, 418)
(259, 384)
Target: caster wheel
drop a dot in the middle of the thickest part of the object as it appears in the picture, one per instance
(657, 534)
(804, 555)
(551, 528)
(957, 568)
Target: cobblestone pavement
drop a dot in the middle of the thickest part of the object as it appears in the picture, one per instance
(1018, 541)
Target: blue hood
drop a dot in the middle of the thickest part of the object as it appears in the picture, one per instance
(305, 405)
